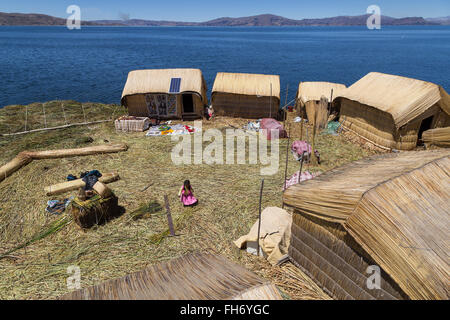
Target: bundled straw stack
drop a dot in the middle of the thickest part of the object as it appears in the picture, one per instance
(438, 137)
(390, 211)
(191, 277)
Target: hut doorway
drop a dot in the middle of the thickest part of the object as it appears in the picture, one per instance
(188, 103)
(424, 126)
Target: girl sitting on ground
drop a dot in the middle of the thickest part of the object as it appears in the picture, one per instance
(186, 194)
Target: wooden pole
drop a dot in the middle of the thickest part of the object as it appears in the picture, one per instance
(313, 154)
(270, 100)
(64, 113)
(287, 156)
(169, 216)
(26, 117)
(329, 108)
(301, 167)
(45, 117)
(259, 219)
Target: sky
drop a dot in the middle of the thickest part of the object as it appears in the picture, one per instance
(203, 10)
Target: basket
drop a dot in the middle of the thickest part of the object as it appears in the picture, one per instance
(94, 211)
(132, 124)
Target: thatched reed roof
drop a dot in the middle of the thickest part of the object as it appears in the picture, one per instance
(313, 91)
(404, 225)
(396, 207)
(247, 84)
(158, 81)
(335, 194)
(191, 277)
(403, 98)
(438, 136)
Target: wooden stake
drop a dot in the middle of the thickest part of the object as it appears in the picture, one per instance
(259, 219)
(64, 113)
(169, 216)
(26, 117)
(45, 117)
(301, 167)
(287, 156)
(313, 154)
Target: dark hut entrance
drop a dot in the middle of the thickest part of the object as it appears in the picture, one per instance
(424, 126)
(188, 103)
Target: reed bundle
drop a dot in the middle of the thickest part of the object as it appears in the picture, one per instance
(190, 277)
(438, 137)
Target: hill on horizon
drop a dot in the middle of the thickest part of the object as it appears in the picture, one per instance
(32, 19)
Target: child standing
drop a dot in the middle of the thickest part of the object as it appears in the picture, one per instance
(186, 194)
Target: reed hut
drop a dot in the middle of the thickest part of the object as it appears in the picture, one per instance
(390, 211)
(308, 99)
(243, 95)
(190, 277)
(165, 93)
(392, 111)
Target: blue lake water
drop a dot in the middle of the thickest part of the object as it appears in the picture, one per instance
(46, 63)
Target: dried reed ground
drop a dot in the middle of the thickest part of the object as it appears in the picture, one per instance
(228, 206)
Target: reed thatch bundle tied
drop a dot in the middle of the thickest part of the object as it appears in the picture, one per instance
(190, 277)
(96, 210)
(438, 137)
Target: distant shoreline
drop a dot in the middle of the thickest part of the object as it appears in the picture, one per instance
(262, 20)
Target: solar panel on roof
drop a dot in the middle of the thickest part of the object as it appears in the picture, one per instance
(175, 85)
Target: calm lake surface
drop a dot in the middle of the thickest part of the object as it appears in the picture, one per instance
(46, 63)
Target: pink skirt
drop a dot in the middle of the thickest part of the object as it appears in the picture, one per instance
(189, 199)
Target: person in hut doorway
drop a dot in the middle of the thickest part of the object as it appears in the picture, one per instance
(186, 195)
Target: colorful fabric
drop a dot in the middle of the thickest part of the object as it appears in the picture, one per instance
(306, 175)
(271, 125)
(57, 207)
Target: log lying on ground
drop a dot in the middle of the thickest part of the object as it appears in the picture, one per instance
(22, 159)
(77, 184)
(26, 157)
(65, 153)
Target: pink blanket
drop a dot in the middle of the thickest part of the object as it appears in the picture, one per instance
(306, 175)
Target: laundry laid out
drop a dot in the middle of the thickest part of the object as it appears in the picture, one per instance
(171, 130)
(58, 206)
(253, 126)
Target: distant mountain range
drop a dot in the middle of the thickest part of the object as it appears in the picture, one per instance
(20, 19)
